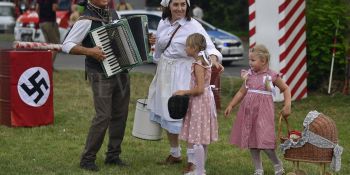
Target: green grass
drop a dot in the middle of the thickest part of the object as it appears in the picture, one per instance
(56, 149)
(7, 37)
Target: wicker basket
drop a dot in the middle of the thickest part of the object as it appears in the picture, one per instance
(322, 126)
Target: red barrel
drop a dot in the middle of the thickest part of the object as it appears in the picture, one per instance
(26, 88)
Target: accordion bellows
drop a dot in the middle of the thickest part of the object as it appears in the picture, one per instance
(177, 106)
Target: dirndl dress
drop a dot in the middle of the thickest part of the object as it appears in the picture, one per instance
(254, 126)
(200, 125)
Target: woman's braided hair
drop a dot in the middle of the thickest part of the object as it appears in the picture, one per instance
(197, 41)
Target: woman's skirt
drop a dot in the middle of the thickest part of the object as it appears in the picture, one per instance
(171, 75)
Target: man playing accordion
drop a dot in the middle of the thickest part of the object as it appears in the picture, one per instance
(111, 95)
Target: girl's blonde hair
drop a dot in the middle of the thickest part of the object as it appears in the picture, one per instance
(197, 41)
(261, 51)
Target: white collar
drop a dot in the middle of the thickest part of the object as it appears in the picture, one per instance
(181, 21)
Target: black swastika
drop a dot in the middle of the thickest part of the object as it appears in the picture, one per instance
(36, 86)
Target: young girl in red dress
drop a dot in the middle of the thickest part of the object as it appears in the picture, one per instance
(200, 126)
(254, 127)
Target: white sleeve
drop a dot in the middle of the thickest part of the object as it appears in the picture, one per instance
(76, 35)
(157, 52)
(210, 45)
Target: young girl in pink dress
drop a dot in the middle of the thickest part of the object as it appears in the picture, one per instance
(254, 127)
(200, 126)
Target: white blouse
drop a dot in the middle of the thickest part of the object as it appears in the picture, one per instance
(177, 46)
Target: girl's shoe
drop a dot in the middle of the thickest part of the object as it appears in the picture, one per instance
(190, 173)
(170, 160)
(259, 172)
(279, 170)
(189, 169)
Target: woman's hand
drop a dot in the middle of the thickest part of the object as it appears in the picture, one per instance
(214, 61)
(228, 111)
(286, 110)
(97, 53)
(151, 39)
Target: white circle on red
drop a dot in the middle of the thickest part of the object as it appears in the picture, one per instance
(24, 79)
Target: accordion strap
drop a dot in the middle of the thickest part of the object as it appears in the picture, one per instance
(172, 36)
(92, 18)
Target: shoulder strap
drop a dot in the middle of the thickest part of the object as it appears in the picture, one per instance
(172, 37)
(199, 63)
(91, 18)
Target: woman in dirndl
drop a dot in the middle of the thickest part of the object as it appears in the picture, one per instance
(174, 67)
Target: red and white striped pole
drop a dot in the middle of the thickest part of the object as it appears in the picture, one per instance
(252, 24)
(280, 25)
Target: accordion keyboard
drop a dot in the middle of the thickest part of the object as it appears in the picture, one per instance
(101, 39)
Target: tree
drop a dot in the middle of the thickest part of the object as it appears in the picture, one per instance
(322, 19)
(233, 15)
(228, 15)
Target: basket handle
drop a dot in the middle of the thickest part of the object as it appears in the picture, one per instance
(280, 125)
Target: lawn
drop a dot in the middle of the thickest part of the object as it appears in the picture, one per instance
(55, 149)
(6, 37)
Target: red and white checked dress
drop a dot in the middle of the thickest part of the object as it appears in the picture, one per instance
(254, 126)
(200, 125)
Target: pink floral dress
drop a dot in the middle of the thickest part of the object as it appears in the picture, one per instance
(254, 126)
(200, 123)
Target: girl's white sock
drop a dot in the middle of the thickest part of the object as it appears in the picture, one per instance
(271, 153)
(200, 159)
(190, 155)
(255, 153)
(205, 152)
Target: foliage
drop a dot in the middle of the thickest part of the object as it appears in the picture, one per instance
(232, 15)
(323, 17)
(228, 15)
(56, 149)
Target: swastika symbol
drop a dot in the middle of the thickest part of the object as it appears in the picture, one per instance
(36, 86)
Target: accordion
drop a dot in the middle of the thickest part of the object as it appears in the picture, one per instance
(139, 29)
(122, 49)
